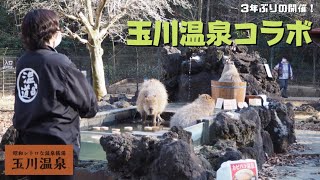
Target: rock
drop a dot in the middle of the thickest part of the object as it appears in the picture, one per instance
(258, 71)
(257, 146)
(122, 104)
(267, 143)
(171, 61)
(129, 156)
(290, 111)
(245, 132)
(172, 84)
(191, 87)
(253, 85)
(196, 67)
(151, 158)
(9, 138)
(241, 65)
(177, 161)
(216, 157)
(224, 144)
(281, 127)
(123, 97)
(265, 116)
(241, 131)
(113, 99)
(104, 106)
(176, 74)
(182, 134)
(307, 108)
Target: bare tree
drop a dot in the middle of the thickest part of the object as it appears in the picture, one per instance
(99, 19)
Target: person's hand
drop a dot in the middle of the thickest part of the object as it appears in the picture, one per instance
(291, 77)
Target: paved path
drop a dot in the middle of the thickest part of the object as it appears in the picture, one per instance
(308, 169)
(302, 99)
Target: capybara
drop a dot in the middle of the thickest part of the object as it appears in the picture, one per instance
(189, 114)
(230, 73)
(152, 100)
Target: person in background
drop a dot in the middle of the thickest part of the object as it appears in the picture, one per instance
(51, 93)
(284, 74)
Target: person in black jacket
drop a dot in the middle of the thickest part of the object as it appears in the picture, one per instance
(51, 93)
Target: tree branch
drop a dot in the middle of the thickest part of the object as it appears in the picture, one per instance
(72, 17)
(76, 36)
(105, 29)
(99, 13)
(86, 23)
(61, 11)
(90, 13)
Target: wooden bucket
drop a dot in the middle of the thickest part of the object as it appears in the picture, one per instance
(229, 90)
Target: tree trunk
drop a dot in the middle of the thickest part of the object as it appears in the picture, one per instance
(207, 18)
(200, 10)
(314, 65)
(272, 57)
(98, 77)
(114, 58)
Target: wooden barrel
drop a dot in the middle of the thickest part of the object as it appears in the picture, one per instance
(229, 90)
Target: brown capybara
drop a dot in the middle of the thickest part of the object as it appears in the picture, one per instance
(188, 115)
(152, 100)
(230, 73)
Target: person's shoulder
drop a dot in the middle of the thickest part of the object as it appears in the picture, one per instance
(58, 59)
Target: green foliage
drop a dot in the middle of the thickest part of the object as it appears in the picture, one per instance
(8, 31)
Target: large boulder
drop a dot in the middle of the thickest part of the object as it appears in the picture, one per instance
(170, 157)
(281, 126)
(267, 143)
(191, 86)
(256, 149)
(226, 127)
(178, 161)
(246, 130)
(171, 62)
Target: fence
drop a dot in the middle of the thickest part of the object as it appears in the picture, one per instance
(125, 62)
(120, 63)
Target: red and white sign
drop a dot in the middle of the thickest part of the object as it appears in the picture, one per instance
(238, 170)
(244, 170)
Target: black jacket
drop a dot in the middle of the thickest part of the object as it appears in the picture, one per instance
(50, 95)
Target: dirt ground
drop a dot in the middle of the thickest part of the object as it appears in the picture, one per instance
(6, 113)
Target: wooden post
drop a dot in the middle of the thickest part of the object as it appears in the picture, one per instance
(314, 55)
(2, 77)
(137, 69)
(200, 10)
(114, 58)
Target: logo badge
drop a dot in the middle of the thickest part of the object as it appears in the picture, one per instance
(27, 85)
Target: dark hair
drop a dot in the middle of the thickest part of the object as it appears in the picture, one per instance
(38, 27)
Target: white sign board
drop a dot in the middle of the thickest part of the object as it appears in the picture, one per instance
(229, 104)
(266, 66)
(219, 103)
(255, 102)
(8, 64)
